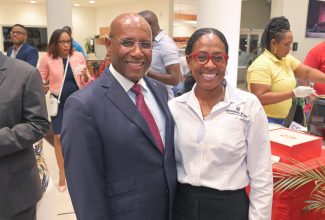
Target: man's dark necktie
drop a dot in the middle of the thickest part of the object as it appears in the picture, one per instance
(143, 108)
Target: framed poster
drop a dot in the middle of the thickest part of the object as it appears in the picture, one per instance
(316, 19)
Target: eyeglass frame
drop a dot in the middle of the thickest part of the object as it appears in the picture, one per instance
(17, 33)
(64, 42)
(209, 56)
(134, 42)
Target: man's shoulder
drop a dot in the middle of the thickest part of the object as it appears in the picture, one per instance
(75, 43)
(9, 50)
(92, 90)
(28, 47)
(24, 69)
(12, 62)
(154, 82)
(76, 46)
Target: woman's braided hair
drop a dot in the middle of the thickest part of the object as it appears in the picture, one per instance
(274, 30)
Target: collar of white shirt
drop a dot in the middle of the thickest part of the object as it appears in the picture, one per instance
(125, 82)
(159, 36)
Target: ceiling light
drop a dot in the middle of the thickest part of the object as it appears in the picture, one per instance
(92, 1)
(32, 1)
(76, 4)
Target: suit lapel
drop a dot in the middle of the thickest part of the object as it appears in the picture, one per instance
(116, 94)
(163, 106)
(20, 53)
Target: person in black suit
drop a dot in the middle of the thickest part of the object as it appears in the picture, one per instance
(21, 50)
(23, 121)
(117, 167)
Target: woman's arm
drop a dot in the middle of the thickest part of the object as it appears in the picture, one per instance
(306, 73)
(44, 68)
(266, 97)
(259, 165)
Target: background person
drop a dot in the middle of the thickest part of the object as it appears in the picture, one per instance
(119, 155)
(52, 66)
(165, 66)
(272, 76)
(29, 54)
(316, 59)
(75, 45)
(221, 141)
(23, 121)
(21, 50)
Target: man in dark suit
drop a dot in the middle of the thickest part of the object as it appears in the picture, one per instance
(117, 167)
(21, 50)
(23, 121)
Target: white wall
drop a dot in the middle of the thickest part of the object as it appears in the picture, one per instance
(297, 16)
(83, 24)
(106, 14)
(254, 14)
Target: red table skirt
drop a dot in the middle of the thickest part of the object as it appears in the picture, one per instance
(288, 205)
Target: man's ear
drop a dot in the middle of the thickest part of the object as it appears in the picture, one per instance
(107, 41)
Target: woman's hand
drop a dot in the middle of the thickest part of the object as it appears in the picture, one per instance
(46, 87)
(303, 91)
(82, 72)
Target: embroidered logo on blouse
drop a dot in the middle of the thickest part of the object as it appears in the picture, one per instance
(237, 112)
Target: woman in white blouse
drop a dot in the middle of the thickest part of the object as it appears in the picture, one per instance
(221, 141)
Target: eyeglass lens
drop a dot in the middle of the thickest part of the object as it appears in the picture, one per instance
(203, 58)
(16, 32)
(131, 43)
(65, 42)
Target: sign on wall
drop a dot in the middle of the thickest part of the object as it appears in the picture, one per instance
(316, 19)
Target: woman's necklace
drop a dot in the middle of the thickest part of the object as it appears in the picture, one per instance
(221, 95)
(206, 107)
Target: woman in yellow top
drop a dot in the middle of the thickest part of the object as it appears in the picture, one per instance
(272, 76)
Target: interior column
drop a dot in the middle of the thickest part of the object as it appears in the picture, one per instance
(59, 14)
(223, 15)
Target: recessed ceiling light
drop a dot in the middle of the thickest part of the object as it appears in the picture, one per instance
(92, 1)
(76, 4)
(32, 1)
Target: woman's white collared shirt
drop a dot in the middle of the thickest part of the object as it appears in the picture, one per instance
(227, 150)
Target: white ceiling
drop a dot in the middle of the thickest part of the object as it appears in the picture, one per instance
(84, 3)
(180, 6)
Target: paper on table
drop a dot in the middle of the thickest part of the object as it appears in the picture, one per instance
(275, 159)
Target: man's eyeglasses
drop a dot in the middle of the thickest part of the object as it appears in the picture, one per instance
(128, 43)
(65, 42)
(203, 58)
(16, 32)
